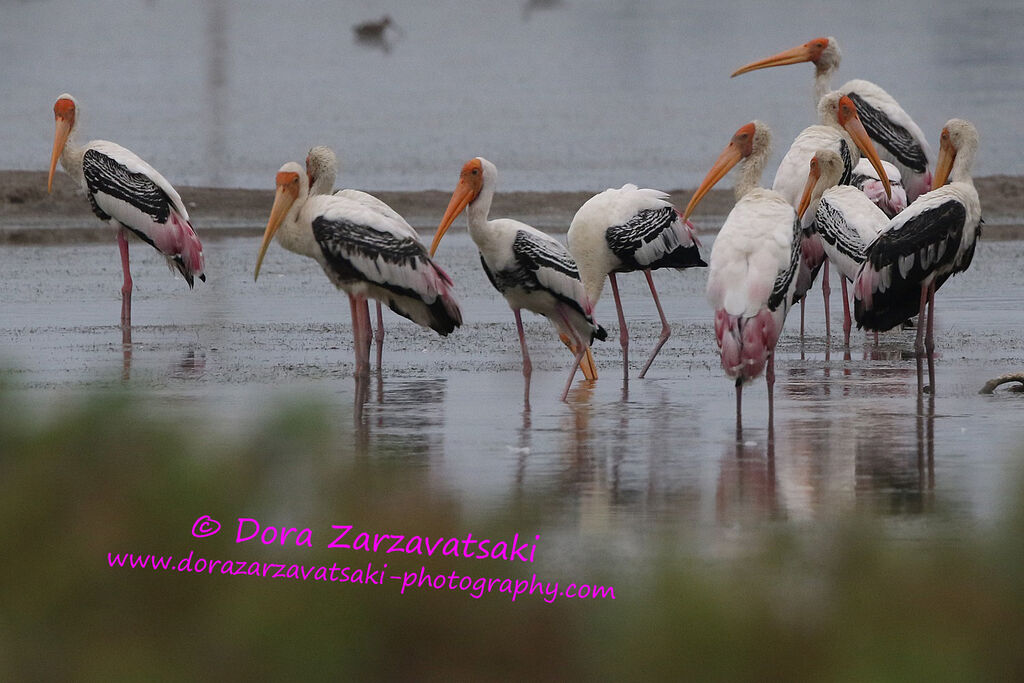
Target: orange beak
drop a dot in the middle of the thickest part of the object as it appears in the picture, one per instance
(812, 180)
(463, 195)
(730, 156)
(795, 55)
(60, 138)
(587, 364)
(860, 137)
(944, 164)
(285, 196)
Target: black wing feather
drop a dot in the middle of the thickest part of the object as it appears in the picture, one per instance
(894, 137)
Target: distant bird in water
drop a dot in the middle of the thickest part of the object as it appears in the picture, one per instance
(375, 32)
(933, 239)
(130, 195)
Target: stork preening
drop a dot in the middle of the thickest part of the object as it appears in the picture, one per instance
(130, 195)
(753, 274)
(841, 131)
(531, 269)
(918, 250)
(866, 179)
(884, 119)
(362, 252)
(629, 229)
(321, 170)
(845, 221)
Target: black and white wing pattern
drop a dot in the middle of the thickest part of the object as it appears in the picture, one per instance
(363, 249)
(784, 288)
(654, 238)
(891, 131)
(124, 188)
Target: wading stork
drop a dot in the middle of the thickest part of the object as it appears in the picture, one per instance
(754, 264)
(918, 250)
(321, 170)
(884, 119)
(130, 195)
(625, 230)
(363, 253)
(531, 269)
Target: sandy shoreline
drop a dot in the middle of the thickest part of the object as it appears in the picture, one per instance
(29, 216)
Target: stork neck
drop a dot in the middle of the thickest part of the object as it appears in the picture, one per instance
(71, 159)
(961, 171)
(750, 174)
(822, 83)
(291, 234)
(324, 183)
(479, 209)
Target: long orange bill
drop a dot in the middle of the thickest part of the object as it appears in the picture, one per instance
(729, 157)
(60, 138)
(461, 198)
(283, 200)
(587, 364)
(860, 137)
(944, 164)
(795, 55)
(812, 180)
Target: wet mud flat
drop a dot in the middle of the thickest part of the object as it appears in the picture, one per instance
(851, 431)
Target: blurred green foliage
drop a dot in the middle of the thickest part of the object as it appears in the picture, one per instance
(108, 475)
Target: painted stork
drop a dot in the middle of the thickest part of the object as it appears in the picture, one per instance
(841, 131)
(884, 119)
(629, 229)
(363, 253)
(531, 269)
(844, 219)
(866, 179)
(321, 170)
(130, 195)
(933, 239)
(754, 263)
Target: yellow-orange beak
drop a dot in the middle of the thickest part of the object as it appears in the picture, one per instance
(944, 164)
(587, 364)
(795, 55)
(860, 137)
(729, 157)
(60, 138)
(463, 195)
(812, 180)
(283, 200)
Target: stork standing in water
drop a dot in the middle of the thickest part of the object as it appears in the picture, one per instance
(841, 131)
(321, 170)
(362, 252)
(129, 194)
(532, 270)
(844, 218)
(884, 119)
(754, 262)
(629, 229)
(918, 250)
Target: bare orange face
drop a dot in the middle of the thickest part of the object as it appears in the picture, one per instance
(815, 48)
(744, 140)
(64, 109)
(289, 182)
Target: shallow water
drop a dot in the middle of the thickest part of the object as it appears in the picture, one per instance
(630, 460)
(580, 94)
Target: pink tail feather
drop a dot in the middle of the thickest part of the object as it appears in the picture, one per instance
(745, 342)
(178, 239)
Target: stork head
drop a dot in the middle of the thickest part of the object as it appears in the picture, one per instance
(837, 109)
(822, 52)
(750, 137)
(291, 186)
(959, 139)
(471, 183)
(321, 169)
(65, 114)
(826, 168)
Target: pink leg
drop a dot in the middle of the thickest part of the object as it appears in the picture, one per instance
(919, 341)
(826, 293)
(378, 336)
(739, 405)
(803, 302)
(769, 377)
(929, 340)
(847, 322)
(623, 331)
(666, 331)
(581, 348)
(126, 288)
(527, 365)
(359, 335)
(367, 331)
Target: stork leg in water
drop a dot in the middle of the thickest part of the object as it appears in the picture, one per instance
(527, 364)
(666, 331)
(847, 322)
(826, 293)
(378, 336)
(126, 289)
(623, 330)
(579, 348)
